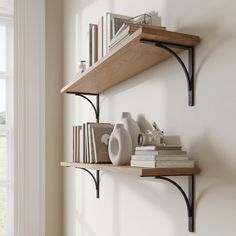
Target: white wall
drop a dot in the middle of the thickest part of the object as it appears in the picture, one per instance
(135, 206)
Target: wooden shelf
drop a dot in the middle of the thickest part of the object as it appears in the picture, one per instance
(143, 49)
(137, 171)
(128, 59)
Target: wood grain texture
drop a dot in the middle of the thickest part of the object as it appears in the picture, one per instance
(137, 171)
(127, 59)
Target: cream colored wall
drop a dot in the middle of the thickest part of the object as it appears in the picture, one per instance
(134, 206)
(54, 117)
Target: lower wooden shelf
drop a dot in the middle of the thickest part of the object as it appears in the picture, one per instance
(158, 173)
(137, 171)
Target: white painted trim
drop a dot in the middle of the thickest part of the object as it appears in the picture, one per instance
(29, 113)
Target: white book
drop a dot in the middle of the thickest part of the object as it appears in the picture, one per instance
(87, 144)
(76, 143)
(163, 164)
(163, 147)
(160, 152)
(159, 157)
(90, 143)
(84, 142)
(145, 148)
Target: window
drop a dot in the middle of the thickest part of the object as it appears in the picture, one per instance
(6, 118)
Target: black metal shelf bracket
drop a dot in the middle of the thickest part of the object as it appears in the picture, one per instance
(189, 73)
(189, 200)
(95, 179)
(95, 107)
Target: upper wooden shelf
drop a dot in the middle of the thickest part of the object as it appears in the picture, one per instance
(128, 59)
(137, 171)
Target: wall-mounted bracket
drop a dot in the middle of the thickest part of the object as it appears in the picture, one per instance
(95, 179)
(189, 200)
(188, 72)
(95, 107)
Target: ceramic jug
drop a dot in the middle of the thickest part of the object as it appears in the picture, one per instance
(120, 146)
(132, 127)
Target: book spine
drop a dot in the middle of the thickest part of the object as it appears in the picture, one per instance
(145, 148)
(163, 164)
(84, 145)
(160, 157)
(161, 152)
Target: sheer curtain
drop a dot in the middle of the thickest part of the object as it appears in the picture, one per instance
(6, 119)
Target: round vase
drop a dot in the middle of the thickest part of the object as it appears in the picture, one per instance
(132, 127)
(120, 146)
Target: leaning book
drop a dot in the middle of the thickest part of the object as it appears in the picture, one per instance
(100, 137)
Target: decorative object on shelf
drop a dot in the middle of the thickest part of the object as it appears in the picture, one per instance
(82, 66)
(132, 127)
(143, 124)
(120, 146)
(153, 137)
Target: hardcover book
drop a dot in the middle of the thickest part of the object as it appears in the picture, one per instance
(159, 157)
(163, 164)
(100, 139)
(158, 148)
(160, 152)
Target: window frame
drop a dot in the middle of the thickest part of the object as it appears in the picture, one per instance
(7, 128)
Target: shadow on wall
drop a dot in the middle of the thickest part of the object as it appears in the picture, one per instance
(209, 42)
(215, 161)
(151, 193)
(219, 172)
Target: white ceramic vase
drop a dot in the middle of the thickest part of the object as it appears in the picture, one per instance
(132, 127)
(120, 146)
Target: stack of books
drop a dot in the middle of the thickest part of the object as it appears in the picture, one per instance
(168, 156)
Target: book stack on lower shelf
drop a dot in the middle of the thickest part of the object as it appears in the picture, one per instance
(169, 156)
